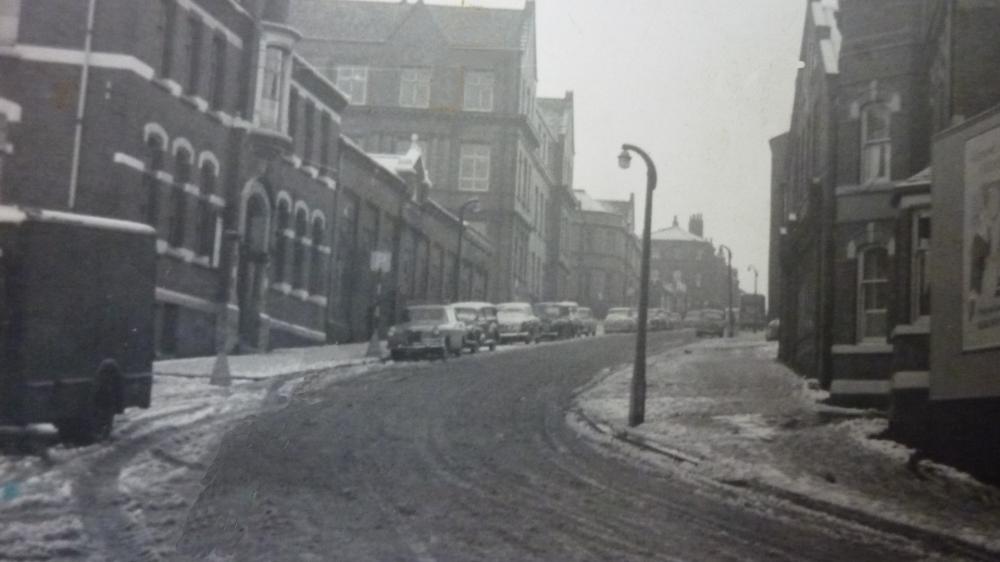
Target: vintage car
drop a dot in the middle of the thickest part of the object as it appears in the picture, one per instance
(557, 319)
(518, 322)
(432, 330)
(620, 320)
(707, 322)
(588, 324)
(486, 320)
(656, 319)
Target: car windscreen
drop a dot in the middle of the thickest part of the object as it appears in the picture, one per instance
(425, 315)
(620, 313)
(552, 311)
(514, 310)
(466, 314)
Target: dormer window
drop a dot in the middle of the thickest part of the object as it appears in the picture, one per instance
(272, 92)
(876, 143)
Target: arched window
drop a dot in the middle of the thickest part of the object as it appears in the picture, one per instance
(873, 294)
(280, 241)
(317, 268)
(206, 211)
(299, 257)
(876, 143)
(151, 184)
(178, 201)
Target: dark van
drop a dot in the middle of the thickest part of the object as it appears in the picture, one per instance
(76, 320)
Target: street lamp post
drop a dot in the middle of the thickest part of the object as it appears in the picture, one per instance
(637, 404)
(458, 253)
(729, 273)
(755, 274)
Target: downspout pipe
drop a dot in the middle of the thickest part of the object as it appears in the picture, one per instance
(81, 106)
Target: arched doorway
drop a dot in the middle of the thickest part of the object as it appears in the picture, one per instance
(252, 269)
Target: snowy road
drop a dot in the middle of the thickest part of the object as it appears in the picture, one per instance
(128, 499)
(474, 460)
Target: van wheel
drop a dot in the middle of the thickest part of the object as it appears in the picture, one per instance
(97, 424)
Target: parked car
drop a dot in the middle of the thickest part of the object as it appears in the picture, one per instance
(674, 320)
(588, 324)
(707, 322)
(620, 320)
(656, 319)
(77, 296)
(469, 316)
(556, 319)
(773, 330)
(518, 322)
(487, 321)
(432, 330)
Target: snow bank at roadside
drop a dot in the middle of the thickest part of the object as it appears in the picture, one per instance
(753, 423)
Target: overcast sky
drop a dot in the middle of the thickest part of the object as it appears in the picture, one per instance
(701, 85)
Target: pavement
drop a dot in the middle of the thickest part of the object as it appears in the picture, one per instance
(728, 412)
(280, 362)
(472, 459)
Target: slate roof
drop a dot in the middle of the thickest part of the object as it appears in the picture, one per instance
(375, 22)
(553, 111)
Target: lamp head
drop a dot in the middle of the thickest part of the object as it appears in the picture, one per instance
(624, 159)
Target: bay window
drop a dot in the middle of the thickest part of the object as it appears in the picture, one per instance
(873, 294)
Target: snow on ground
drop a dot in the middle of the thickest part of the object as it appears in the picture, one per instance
(128, 499)
(751, 422)
(269, 365)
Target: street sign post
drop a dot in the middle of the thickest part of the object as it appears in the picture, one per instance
(381, 263)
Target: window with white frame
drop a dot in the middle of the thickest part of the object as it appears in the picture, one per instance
(415, 87)
(478, 91)
(876, 143)
(873, 294)
(474, 168)
(272, 89)
(920, 288)
(353, 81)
(10, 16)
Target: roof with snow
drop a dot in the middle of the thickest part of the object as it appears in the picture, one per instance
(588, 203)
(676, 234)
(376, 22)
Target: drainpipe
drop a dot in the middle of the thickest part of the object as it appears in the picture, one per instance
(81, 106)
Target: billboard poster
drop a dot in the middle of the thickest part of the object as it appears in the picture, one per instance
(981, 243)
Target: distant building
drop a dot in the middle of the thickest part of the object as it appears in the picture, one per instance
(687, 271)
(465, 80)
(606, 260)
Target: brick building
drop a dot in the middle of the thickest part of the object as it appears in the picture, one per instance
(687, 271)
(199, 118)
(464, 80)
(562, 205)
(606, 260)
(853, 211)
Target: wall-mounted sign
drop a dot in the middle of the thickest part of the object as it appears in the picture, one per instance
(981, 243)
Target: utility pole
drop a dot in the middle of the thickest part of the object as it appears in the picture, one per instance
(755, 274)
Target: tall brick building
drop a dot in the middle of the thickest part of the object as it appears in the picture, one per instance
(199, 118)
(874, 301)
(606, 259)
(464, 79)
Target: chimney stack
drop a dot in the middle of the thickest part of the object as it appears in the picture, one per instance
(696, 225)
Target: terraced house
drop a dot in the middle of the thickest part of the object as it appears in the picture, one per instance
(464, 79)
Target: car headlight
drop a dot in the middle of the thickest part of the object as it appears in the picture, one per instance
(436, 331)
(391, 332)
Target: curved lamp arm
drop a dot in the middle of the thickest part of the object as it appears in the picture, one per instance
(650, 167)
